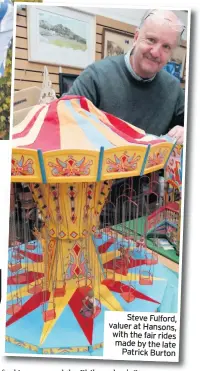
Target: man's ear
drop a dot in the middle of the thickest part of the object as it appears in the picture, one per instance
(135, 36)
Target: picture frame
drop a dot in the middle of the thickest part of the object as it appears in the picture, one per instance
(66, 81)
(179, 57)
(61, 36)
(174, 69)
(116, 42)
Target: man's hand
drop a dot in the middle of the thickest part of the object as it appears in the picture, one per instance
(177, 133)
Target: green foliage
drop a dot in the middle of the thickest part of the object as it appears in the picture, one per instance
(5, 91)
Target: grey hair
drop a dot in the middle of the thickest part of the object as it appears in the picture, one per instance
(150, 12)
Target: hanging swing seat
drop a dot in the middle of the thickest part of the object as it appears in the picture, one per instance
(49, 314)
(30, 246)
(149, 261)
(59, 292)
(127, 295)
(15, 267)
(14, 307)
(98, 235)
(35, 287)
(21, 278)
(121, 263)
(151, 258)
(14, 243)
(146, 278)
(120, 266)
(17, 256)
(18, 278)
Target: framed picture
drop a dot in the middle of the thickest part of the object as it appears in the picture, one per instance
(179, 57)
(116, 42)
(60, 36)
(174, 69)
(66, 80)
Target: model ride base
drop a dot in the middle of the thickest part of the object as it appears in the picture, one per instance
(122, 288)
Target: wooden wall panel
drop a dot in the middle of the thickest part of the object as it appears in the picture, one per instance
(31, 74)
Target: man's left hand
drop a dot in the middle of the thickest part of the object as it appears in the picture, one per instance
(177, 133)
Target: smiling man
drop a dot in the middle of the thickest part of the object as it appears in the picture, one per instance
(154, 42)
(134, 87)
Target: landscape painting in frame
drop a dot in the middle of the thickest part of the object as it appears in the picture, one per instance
(61, 36)
(116, 42)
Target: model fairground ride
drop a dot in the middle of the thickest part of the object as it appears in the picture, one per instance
(164, 223)
(173, 176)
(66, 263)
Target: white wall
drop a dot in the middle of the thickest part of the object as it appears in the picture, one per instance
(130, 16)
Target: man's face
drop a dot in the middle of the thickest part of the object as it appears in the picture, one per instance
(153, 46)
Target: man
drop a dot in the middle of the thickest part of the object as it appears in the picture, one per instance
(135, 87)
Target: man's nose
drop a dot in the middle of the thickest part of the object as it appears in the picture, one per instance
(156, 50)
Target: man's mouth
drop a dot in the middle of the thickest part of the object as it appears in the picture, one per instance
(152, 60)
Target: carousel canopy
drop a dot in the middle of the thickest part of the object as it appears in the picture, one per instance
(71, 140)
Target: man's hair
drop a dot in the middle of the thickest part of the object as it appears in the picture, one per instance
(151, 12)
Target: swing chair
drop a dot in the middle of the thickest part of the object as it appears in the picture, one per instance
(15, 306)
(98, 234)
(14, 243)
(30, 246)
(14, 266)
(16, 254)
(59, 289)
(121, 263)
(128, 296)
(145, 278)
(35, 287)
(151, 258)
(50, 313)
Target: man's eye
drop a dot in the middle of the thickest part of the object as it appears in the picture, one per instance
(151, 40)
(167, 47)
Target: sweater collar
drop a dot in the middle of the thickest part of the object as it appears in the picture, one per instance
(132, 72)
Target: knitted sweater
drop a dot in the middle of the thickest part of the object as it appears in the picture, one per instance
(154, 106)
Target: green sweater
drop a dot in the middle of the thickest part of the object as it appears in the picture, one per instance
(154, 106)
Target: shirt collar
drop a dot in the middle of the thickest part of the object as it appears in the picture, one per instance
(132, 72)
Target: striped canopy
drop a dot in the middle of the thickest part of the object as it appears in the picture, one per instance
(75, 123)
(72, 127)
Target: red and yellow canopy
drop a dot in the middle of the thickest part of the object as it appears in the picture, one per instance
(70, 140)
